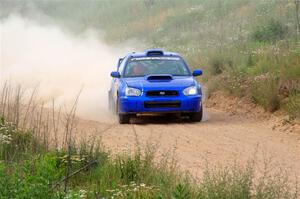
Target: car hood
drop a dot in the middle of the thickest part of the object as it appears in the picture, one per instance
(177, 82)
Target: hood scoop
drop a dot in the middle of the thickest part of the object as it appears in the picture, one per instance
(159, 77)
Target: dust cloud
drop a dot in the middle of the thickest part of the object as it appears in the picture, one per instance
(60, 63)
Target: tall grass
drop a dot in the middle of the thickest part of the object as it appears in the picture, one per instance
(292, 105)
(32, 166)
(26, 111)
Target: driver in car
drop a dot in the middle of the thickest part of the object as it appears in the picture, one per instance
(138, 70)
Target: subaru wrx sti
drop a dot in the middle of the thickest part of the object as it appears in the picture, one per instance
(155, 82)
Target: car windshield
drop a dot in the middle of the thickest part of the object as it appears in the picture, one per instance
(141, 66)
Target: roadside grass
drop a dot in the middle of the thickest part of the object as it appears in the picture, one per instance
(31, 167)
(269, 76)
(292, 105)
(265, 92)
(125, 176)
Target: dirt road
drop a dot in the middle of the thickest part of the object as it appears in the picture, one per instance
(219, 140)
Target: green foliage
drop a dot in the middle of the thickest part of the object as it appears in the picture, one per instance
(181, 192)
(292, 105)
(125, 176)
(232, 82)
(15, 143)
(31, 179)
(292, 72)
(264, 92)
(5, 186)
(217, 66)
(227, 183)
(274, 186)
(130, 168)
(272, 31)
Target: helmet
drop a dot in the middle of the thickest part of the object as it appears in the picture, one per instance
(138, 69)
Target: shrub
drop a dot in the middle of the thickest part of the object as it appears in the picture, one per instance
(182, 191)
(212, 86)
(218, 64)
(5, 185)
(270, 32)
(231, 183)
(235, 83)
(15, 143)
(31, 179)
(236, 182)
(292, 105)
(126, 176)
(264, 92)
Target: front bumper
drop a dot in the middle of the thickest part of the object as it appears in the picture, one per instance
(143, 104)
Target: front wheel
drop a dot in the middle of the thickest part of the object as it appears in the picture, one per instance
(124, 118)
(197, 116)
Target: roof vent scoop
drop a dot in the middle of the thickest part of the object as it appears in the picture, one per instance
(159, 77)
(155, 52)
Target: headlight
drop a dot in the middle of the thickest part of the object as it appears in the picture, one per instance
(192, 90)
(132, 92)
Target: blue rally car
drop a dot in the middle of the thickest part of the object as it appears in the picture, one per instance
(155, 81)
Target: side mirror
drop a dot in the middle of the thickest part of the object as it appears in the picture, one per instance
(197, 73)
(115, 74)
(119, 62)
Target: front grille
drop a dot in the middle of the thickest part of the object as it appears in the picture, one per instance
(162, 104)
(162, 93)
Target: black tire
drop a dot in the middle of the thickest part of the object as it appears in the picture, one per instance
(124, 118)
(196, 117)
